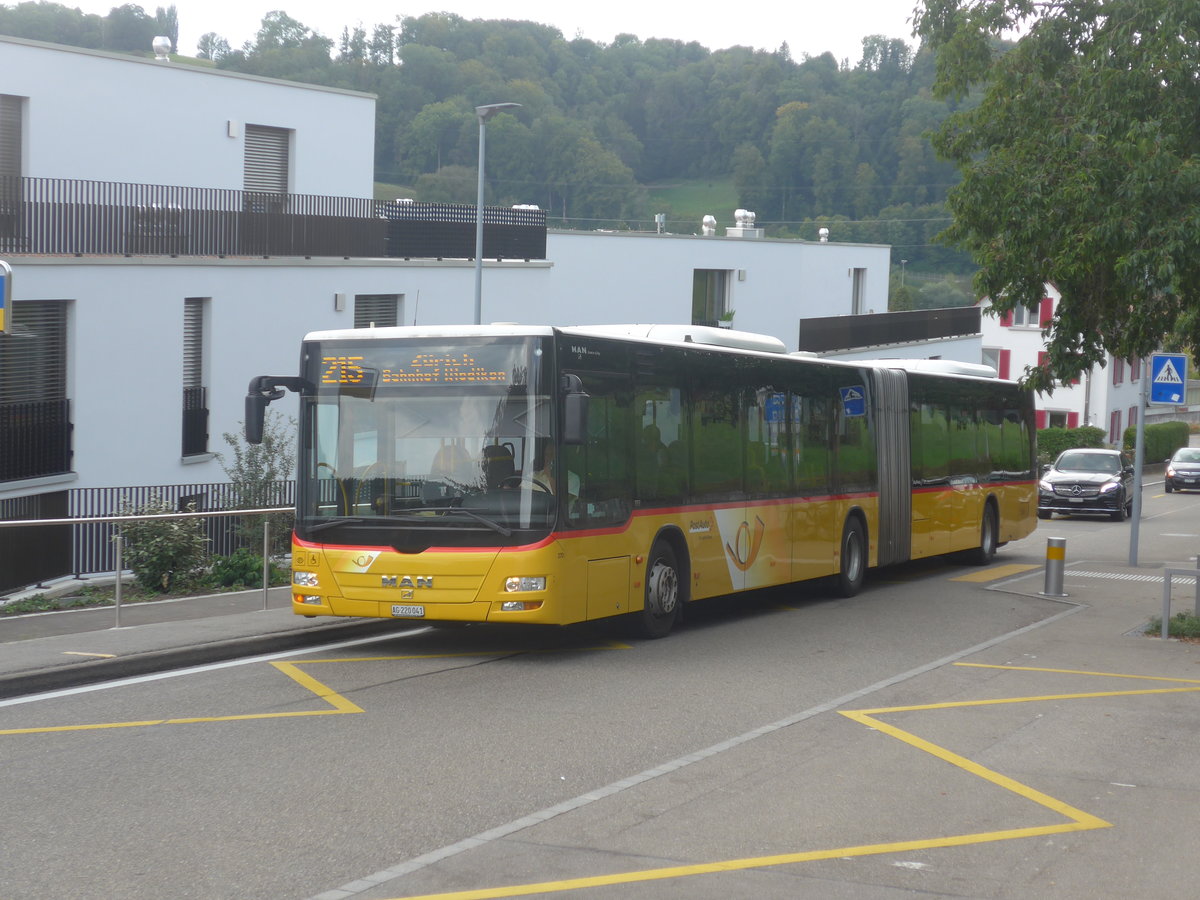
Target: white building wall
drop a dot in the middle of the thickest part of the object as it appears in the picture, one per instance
(105, 117)
(640, 277)
(1092, 401)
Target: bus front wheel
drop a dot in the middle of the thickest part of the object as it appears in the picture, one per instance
(662, 598)
(854, 559)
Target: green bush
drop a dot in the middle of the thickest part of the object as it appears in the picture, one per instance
(1162, 439)
(163, 555)
(241, 568)
(1053, 441)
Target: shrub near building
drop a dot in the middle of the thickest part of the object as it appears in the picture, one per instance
(1162, 439)
(1053, 441)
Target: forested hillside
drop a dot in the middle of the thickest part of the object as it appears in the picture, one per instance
(806, 142)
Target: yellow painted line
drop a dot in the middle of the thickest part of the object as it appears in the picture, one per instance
(996, 572)
(81, 653)
(1079, 672)
(737, 865)
(1077, 819)
(340, 705)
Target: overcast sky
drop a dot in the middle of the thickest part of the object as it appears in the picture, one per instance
(808, 26)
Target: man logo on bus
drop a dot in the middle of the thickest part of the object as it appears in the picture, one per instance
(744, 550)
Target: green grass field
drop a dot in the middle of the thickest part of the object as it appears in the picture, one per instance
(687, 202)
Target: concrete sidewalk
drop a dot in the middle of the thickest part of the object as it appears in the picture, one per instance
(55, 650)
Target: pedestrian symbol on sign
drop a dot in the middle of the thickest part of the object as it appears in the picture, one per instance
(1168, 375)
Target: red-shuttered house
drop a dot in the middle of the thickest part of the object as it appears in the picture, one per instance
(1104, 397)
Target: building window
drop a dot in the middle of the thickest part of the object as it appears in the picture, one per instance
(1118, 371)
(35, 415)
(195, 393)
(1056, 418)
(266, 169)
(858, 292)
(377, 310)
(1114, 426)
(710, 296)
(11, 141)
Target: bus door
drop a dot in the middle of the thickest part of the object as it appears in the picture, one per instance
(813, 509)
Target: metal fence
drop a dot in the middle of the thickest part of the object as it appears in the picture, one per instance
(35, 439)
(67, 216)
(91, 542)
(114, 523)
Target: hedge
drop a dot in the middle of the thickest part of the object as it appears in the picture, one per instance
(1162, 440)
(1053, 441)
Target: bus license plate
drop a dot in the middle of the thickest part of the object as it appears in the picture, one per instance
(408, 612)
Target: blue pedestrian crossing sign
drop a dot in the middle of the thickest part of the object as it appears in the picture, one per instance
(1168, 378)
(854, 400)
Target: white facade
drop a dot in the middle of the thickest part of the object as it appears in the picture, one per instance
(101, 116)
(1105, 397)
(98, 116)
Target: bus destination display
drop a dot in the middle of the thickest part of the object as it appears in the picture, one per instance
(424, 368)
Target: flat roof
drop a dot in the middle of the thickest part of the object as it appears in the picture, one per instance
(175, 66)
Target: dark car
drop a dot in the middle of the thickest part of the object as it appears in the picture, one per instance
(1183, 470)
(1087, 481)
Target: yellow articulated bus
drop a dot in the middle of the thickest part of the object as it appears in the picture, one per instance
(557, 475)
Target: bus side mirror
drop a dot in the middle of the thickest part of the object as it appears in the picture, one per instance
(575, 411)
(263, 391)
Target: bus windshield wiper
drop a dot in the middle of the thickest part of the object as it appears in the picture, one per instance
(418, 516)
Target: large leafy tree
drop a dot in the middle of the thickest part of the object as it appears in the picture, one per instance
(1080, 162)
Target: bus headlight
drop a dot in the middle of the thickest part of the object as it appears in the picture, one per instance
(525, 583)
(305, 579)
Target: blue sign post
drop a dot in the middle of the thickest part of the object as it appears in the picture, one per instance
(1168, 378)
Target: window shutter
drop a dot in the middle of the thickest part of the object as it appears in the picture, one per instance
(1006, 319)
(1045, 312)
(1039, 418)
(266, 159)
(33, 357)
(380, 310)
(193, 342)
(10, 135)
(1005, 363)
(1073, 420)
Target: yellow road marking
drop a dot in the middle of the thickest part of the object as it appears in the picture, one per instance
(1077, 820)
(340, 705)
(81, 653)
(995, 572)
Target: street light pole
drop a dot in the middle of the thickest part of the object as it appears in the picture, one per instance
(484, 113)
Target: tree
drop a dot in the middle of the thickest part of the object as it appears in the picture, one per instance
(211, 46)
(1081, 165)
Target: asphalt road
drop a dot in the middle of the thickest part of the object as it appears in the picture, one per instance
(716, 763)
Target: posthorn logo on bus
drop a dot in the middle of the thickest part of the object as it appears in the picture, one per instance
(406, 581)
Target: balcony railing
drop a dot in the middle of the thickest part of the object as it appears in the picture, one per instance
(845, 332)
(86, 218)
(35, 439)
(195, 421)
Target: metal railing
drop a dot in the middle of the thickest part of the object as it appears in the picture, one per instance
(35, 439)
(66, 216)
(118, 540)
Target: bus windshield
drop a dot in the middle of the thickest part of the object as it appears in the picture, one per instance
(416, 445)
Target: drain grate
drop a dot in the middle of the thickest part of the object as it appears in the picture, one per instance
(1121, 576)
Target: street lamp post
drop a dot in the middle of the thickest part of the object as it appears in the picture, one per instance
(903, 263)
(484, 113)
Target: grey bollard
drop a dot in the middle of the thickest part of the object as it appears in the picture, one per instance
(1056, 556)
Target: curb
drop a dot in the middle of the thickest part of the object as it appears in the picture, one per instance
(78, 674)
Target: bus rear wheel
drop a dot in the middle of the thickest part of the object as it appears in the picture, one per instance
(854, 559)
(660, 609)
